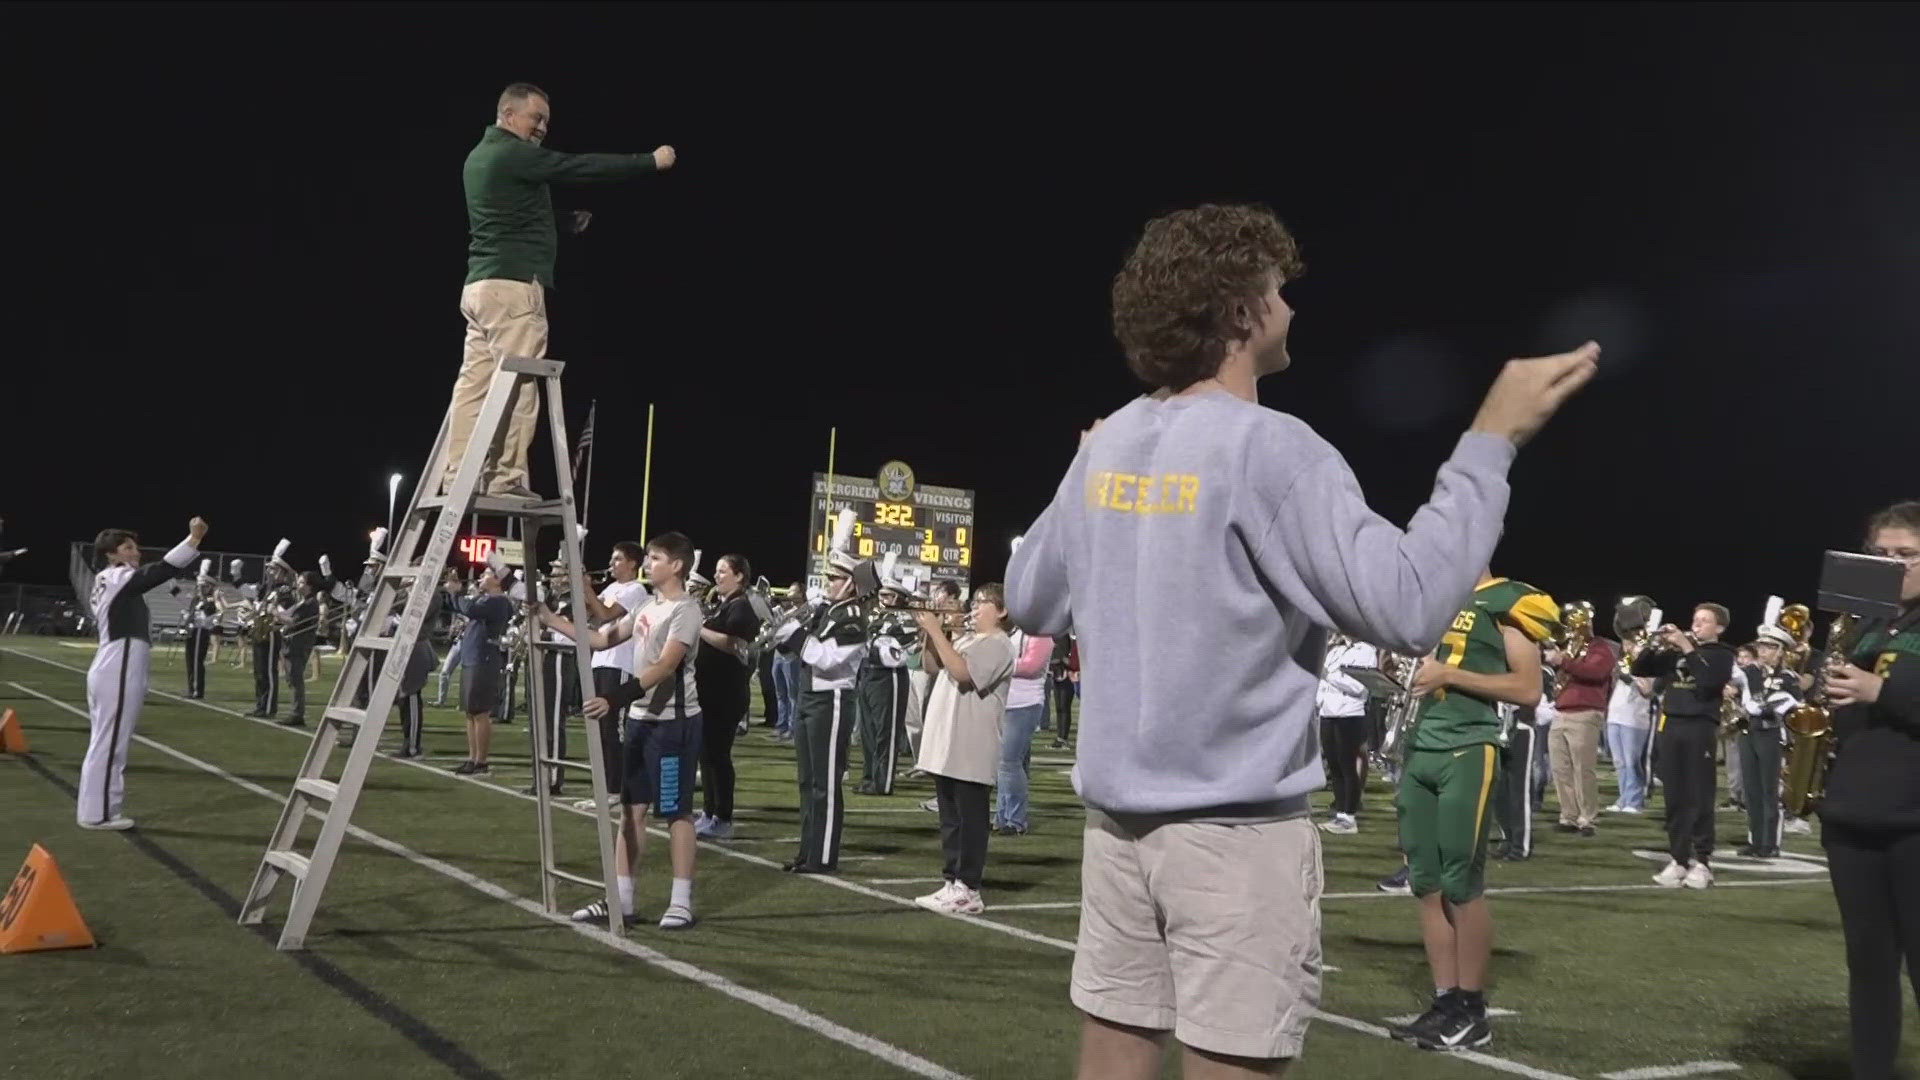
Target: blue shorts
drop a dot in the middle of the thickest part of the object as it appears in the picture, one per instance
(661, 756)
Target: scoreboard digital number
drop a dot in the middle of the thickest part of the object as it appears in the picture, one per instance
(478, 550)
(918, 523)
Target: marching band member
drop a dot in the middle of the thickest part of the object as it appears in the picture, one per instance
(884, 690)
(1581, 690)
(481, 661)
(1773, 690)
(203, 629)
(1870, 816)
(1698, 666)
(301, 620)
(662, 706)
(117, 678)
(724, 692)
(1490, 656)
(1342, 703)
(263, 630)
(1630, 712)
(1519, 793)
(831, 641)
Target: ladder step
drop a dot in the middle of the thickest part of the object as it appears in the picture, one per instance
(291, 862)
(315, 788)
(403, 573)
(578, 880)
(376, 644)
(493, 504)
(346, 715)
(563, 763)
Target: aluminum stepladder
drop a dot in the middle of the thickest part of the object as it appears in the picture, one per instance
(416, 562)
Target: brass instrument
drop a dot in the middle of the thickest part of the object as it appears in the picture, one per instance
(1574, 639)
(1797, 620)
(1733, 712)
(1804, 774)
(1400, 714)
(1631, 649)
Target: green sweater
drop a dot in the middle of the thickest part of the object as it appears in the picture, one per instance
(510, 211)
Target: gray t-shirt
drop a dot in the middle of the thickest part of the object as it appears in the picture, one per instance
(653, 626)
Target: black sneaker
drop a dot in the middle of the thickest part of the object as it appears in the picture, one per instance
(1427, 1023)
(1459, 1028)
(1587, 830)
(1566, 827)
(1396, 882)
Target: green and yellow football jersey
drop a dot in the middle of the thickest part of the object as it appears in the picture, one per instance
(1450, 719)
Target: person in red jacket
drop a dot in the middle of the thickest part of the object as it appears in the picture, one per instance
(1573, 744)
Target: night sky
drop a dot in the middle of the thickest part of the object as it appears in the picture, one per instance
(244, 242)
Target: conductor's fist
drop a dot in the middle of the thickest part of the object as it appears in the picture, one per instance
(663, 158)
(198, 527)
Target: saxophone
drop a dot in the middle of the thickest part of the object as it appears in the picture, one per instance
(1805, 772)
(1400, 714)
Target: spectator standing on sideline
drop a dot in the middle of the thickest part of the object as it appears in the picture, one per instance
(1026, 714)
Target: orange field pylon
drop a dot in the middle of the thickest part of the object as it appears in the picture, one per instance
(13, 738)
(38, 912)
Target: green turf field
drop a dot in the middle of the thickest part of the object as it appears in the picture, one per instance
(431, 953)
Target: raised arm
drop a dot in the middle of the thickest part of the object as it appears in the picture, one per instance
(151, 576)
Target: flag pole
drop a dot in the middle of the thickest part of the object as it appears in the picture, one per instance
(586, 497)
(826, 534)
(646, 482)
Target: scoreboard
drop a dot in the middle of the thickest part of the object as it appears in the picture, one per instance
(918, 523)
(476, 550)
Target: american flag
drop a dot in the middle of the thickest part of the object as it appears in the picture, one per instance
(586, 441)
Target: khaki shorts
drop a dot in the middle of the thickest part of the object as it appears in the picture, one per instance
(1210, 931)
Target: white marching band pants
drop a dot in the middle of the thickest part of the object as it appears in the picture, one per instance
(116, 689)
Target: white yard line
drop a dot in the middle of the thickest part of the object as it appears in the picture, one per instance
(911, 881)
(785, 1010)
(1048, 905)
(1521, 890)
(1663, 1072)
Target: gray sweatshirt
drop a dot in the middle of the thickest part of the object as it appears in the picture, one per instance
(1198, 545)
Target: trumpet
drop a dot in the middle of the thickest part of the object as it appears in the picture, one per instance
(1574, 639)
(1631, 649)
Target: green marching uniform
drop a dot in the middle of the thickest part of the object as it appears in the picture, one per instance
(883, 698)
(835, 643)
(1453, 754)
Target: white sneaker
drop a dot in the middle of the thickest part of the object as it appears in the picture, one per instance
(1342, 824)
(1672, 877)
(1614, 809)
(1797, 826)
(1631, 810)
(117, 823)
(968, 902)
(938, 899)
(712, 828)
(931, 806)
(1699, 877)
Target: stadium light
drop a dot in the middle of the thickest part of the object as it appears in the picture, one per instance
(393, 490)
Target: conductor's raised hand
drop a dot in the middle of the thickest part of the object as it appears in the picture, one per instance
(197, 528)
(1529, 392)
(664, 157)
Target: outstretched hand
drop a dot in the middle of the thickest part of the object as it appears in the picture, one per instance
(1529, 392)
(664, 157)
(197, 529)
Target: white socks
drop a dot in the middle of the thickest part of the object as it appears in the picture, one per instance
(625, 885)
(682, 893)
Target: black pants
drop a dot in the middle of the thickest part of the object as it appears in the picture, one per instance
(720, 714)
(413, 714)
(1760, 771)
(769, 693)
(822, 734)
(559, 706)
(199, 640)
(1344, 739)
(964, 823)
(1876, 881)
(883, 722)
(612, 741)
(1687, 776)
(1513, 805)
(298, 656)
(266, 675)
(1064, 691)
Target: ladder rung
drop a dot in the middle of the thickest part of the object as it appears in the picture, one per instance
(526, 365)
(402, 573)
(374, 644)
(346, 715)
(315, 788)
(578, 880)
(492, 504)
(566, 764)
(291, 862)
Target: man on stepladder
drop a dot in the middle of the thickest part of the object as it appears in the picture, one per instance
(117, 679)
(510, 267)
(661, 705)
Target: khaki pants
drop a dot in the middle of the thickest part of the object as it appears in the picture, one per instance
(504, 318)
(1573, 745)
